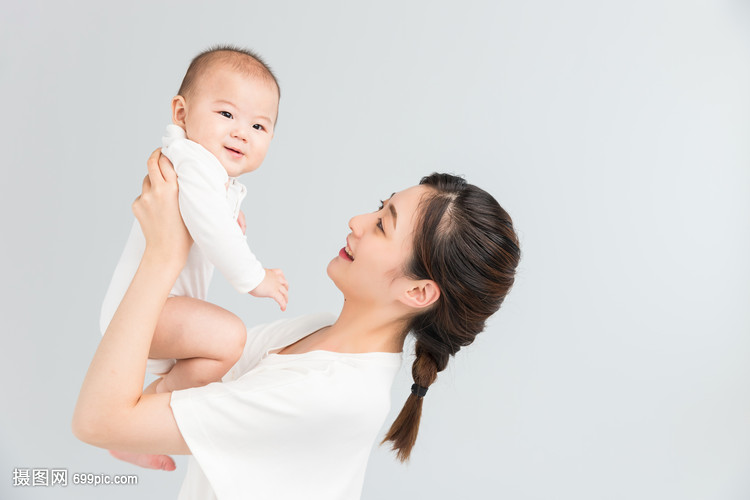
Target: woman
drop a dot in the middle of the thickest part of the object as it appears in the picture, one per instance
(296, 417)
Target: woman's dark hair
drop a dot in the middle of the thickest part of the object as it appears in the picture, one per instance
(464, 242)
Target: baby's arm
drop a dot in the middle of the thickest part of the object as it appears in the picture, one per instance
(274, 285)
(210, 221)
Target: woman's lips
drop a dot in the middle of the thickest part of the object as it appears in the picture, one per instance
(344, 255)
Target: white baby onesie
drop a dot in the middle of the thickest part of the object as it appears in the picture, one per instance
(209, 203)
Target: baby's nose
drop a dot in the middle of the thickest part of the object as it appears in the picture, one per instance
(240, 133)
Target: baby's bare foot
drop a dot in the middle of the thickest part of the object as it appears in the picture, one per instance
(160, 462)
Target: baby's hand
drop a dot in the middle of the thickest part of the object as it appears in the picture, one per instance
(273, 286)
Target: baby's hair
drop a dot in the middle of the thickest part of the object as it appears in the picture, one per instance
(241, 59)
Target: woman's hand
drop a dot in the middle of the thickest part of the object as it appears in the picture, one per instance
(158, 212)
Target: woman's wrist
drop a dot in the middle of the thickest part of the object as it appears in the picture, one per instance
(162, 262)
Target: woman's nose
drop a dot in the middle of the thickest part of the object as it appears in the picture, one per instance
(355, 224)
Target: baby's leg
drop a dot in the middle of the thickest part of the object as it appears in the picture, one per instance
(205, 339)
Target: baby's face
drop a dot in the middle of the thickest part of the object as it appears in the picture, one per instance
(232, 115)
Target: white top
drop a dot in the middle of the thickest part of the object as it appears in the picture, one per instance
(210, 211)
(291, 426)
(209, 203)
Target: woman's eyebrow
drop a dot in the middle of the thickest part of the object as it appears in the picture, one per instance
(394, 215)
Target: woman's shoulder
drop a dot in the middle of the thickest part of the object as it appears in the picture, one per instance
(338, 385)
(283, 332)
(302, 322)
(263, 338)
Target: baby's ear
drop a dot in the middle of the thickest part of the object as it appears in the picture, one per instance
(178, 110)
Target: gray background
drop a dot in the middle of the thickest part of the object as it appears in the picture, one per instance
(615, 133)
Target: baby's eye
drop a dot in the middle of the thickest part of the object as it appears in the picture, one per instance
(380, 225)
(226, 114)
(258, 126)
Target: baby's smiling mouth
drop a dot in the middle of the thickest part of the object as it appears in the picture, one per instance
(235, 152)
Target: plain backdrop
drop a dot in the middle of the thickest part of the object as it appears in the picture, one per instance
(614, 133)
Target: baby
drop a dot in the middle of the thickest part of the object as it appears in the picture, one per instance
(222, 123)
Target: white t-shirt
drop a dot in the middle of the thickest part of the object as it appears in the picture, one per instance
(291, 426)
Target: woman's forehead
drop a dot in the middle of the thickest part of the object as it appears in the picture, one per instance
(406, 202)
(410, 195)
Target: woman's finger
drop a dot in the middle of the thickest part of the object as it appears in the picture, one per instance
(167, 169)
(146, 185)
(153, 159)
(154, 172)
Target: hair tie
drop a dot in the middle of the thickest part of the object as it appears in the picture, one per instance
(418, 390)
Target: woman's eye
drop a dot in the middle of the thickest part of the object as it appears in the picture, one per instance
(382, 204)
(380, 225)
(258, 126)
(225, 114)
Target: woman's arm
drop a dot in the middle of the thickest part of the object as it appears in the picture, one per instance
(111, 411)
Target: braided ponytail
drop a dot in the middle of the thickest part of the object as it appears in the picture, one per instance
(465, 244)
(404, 430)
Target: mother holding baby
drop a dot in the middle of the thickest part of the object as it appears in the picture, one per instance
(297, 415)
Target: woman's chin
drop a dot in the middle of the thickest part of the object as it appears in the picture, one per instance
(335, 274)
(331, 272)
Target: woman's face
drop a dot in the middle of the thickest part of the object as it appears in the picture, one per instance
(376, 251)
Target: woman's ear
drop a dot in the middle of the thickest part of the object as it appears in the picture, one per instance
(423, 293)
(178, 110)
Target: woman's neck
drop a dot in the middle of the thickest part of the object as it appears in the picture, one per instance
(358, 329)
